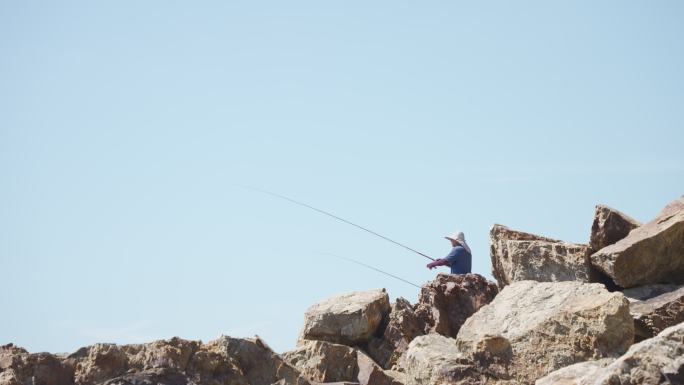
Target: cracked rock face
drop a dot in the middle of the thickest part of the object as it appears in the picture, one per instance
(328, 362)
(519, 256)
(348, 319)
(401, 327)
(657, 360)
(446, 302)
(533, 328)
(609, 226)
(653, 315)
(225, 361)
(651, 253)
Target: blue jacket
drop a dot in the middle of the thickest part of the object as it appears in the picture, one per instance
(460, 260)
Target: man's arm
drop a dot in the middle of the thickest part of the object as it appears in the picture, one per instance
(438, 262)
(446, 261)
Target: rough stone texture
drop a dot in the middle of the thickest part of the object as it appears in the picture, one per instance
(225, 361)
(532, 328)
(348, 319)
(651, 253)
(17, 367)
(645, 292)
(100, 362)
(260, 365)
(328, 362)
(658, 360)
(446, 302)
(609, 227)
(570, 375)
(519, 256)
(401, 327)
(658, 313)
(434, 359)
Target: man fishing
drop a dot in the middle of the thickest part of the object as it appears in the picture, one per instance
(460, 257)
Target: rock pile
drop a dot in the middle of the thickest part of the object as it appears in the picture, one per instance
(562, 313)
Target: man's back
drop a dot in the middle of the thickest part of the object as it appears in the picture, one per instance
(460, 260)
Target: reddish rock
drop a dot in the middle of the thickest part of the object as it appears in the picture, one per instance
(449, 300)
(609, 227)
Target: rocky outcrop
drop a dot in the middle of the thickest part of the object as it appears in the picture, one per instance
(651, 253)
(658, 360)
(446, 302)
(609, 227)
(532, 328)
(400, 328)
(434, 359)
(654, 315)
(225, 361)
(18, 367)
(348, 319)
(519, 256)
(328, 362)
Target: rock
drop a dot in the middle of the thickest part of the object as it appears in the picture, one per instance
(570, 375)
(18, 367)
(434, 359)
(446, 302)
(519, 256)
(609, 227)
(533, 328)
(348, 319)
(165, 376)
(174, 354)
(645, 292)
(658, 360)
(654, 315)
(260, 365)
(98, 363)
(327, 362)
(651, 253)
(401, 327)
(211, 364)
(324, 361)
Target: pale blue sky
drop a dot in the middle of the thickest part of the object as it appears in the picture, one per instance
(125, 125)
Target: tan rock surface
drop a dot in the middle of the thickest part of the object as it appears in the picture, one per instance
(401, 327)
(348, 319)
(651, 253)
(658, 360)
(533, 328)
(518, 256)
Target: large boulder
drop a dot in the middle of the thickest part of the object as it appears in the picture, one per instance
(260, 364)
(434, 359)
(658, 360)
(519, 256)
(642, 293)
(651, 253)
(328, 362)
(446, 302)
(401, 327)
(609, 227)
(348, 319)
(533, 328)
(653, 315)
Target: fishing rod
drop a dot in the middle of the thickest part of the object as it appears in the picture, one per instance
(371, 267)
(334, 216)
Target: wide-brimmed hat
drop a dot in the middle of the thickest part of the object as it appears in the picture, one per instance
(459, 237)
